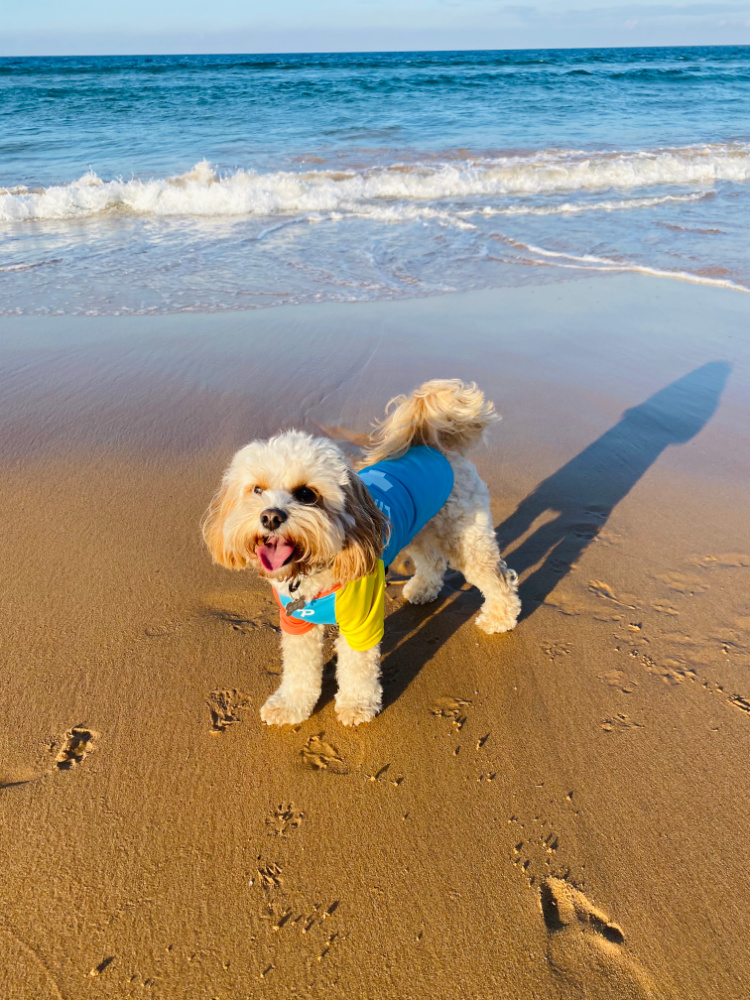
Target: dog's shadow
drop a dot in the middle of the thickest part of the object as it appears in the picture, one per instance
(575, 503)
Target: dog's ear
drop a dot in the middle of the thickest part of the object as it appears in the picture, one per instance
(220, 543)
(365, 540)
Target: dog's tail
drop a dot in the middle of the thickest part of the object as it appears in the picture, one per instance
(445, 414)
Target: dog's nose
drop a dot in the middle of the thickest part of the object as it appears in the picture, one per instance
(271, 518)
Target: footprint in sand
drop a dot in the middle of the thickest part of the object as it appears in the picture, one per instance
(269, 876)
(586, 950)
(584, 531)
(617, 679)
(560, 567)
(726, 560)
(620, 723)
(573, 607)
(597, 513)
(240, 623)
(451, 708)
(607, 593)
(225, 708)
(556, 650)
(311, 925)
(321, 756)
(682, 583)
(609, 537)
(284, 819)
(77, 744)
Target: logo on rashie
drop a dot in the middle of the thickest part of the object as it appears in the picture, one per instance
(378, 479)
(374, 477)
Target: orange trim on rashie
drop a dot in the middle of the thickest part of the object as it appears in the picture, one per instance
(293, 626)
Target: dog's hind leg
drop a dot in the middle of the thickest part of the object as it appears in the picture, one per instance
(429, 568)
(474, 552)
(301, 681)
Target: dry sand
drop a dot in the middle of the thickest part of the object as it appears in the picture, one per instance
(557, 812)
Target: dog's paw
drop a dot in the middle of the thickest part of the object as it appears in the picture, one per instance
(278, 712)
(418, 591)
(494, 620)
(355, 715)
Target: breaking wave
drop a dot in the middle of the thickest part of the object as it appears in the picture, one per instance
(205, 192)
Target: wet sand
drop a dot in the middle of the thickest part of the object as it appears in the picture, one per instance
(556, 812)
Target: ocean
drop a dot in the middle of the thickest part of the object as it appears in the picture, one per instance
(161, 184)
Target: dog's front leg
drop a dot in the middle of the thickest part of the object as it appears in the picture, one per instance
(295, 699)
(360, 695)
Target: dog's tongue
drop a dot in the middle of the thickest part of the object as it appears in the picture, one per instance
(275, 552)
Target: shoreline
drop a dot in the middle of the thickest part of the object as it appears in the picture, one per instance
(550, 813)
(585, 265)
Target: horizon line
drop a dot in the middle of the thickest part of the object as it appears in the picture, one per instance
(372, 52)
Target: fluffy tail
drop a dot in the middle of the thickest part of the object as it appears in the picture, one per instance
(445, 414)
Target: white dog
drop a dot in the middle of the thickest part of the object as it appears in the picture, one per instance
(293, 509)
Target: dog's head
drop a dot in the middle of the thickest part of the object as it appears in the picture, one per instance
(291, 506)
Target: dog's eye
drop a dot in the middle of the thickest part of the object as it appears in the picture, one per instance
(257, 489)
(305, 495)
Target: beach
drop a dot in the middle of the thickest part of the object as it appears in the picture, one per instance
(559, 811)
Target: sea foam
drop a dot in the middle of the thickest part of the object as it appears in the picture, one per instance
(205, 192)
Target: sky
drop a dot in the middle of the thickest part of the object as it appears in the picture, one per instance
(89, 27)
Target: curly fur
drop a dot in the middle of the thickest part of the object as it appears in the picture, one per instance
(445, 414)
(363, 541)
(340, 537)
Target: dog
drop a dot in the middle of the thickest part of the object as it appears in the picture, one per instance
(294, 510)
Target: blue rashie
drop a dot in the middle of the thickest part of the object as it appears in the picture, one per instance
(410, 491)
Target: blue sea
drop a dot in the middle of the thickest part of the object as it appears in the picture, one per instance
(162, 184)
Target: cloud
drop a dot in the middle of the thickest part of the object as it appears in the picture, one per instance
(631, 11)
(666, 10)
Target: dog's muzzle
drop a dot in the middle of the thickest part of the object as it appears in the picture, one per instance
(272, 518)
